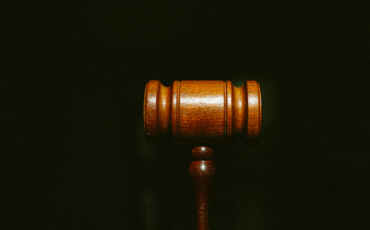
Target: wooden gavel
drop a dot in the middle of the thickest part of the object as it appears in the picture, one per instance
(202, 114)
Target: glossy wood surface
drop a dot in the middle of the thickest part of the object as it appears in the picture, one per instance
(202, 153)
(202, 172)
(203, 112)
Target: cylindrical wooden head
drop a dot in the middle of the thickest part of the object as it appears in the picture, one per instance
(203, 112)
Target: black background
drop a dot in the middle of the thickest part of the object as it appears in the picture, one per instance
(73, 74)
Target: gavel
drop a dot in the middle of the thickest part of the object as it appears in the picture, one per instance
(202, 114)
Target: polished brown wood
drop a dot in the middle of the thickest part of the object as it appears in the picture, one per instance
(202, 173)
(203, 112)
(202, 153)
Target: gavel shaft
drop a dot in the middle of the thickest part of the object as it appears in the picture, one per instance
(202, 171)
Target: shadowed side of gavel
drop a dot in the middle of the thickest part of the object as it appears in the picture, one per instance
(202, 114)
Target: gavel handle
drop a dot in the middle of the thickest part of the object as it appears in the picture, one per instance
(202, 172)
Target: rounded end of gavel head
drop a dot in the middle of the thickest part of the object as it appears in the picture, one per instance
(204, 113)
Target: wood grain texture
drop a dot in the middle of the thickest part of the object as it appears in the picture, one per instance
(202, 173)
(203, 112)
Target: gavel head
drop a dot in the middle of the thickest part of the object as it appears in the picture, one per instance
(202, 112)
